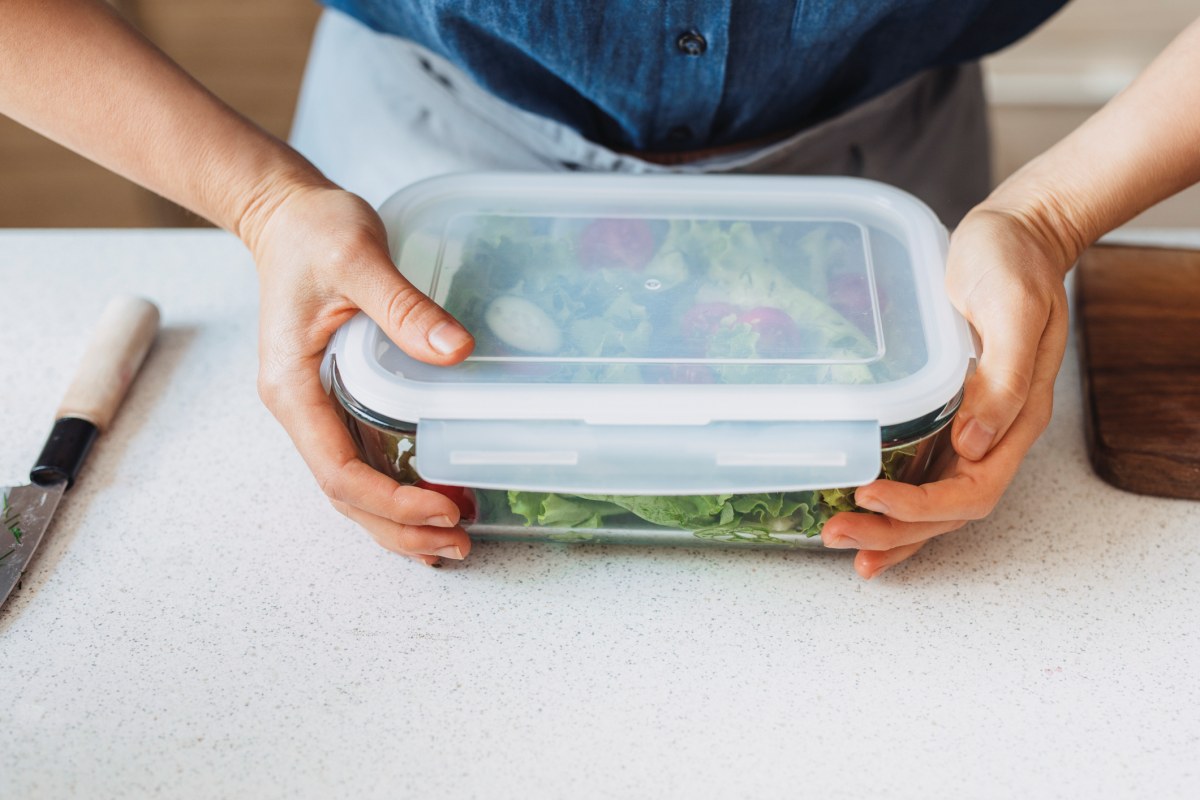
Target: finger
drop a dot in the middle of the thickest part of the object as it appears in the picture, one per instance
(307, 414)
(960, 490)
(1017, 329)
(849, 531)
(974, 487)
(870, 563)
(971, 491)
(411, 540)
(960, 496)
(990, 406)
(416, 324)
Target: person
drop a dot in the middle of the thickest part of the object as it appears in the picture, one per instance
(883, 89)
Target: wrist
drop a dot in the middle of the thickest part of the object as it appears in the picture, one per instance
(252, 206)
(1045, 213)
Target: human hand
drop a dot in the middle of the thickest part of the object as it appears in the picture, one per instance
(1005, 274)
(322, 256)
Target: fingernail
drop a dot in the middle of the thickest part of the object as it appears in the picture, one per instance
(448, 337)
(449, 551)
(975, 440)
(871, 504)
(440, 521)
(839, 542)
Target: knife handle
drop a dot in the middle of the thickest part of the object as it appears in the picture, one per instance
(117, 349)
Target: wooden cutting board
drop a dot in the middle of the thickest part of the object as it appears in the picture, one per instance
(1138, 317)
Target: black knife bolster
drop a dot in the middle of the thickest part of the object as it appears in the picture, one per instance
(65, 451)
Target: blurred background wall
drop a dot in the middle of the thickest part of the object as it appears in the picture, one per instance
(251, 53)
(1044, 86)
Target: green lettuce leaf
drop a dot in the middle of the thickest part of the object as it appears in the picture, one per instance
(746, 270)
(561, 511)
(757, 517)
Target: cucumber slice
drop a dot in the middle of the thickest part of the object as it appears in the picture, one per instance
(523, 326)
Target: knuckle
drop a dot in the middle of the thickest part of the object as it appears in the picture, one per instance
(414, 540)
(404, 503)
(1036, 292)
(1049, 295)
(981, 507)
(914, 507)
(406, 306)
(269, 387)
(1040, 417)
(347, 248)
(1012, 387)
(333, 484)
(926, 496)
(1040, 423)
(980, 500)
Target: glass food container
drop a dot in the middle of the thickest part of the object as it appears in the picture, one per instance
(690, 359)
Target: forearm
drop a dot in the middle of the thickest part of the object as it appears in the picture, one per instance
(1142, 147)
(75, 72)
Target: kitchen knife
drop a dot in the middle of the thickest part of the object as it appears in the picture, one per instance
(117, 349)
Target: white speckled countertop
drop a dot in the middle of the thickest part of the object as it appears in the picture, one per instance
(200, 623)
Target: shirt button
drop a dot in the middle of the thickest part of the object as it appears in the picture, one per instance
(679, 134)
(691, 43)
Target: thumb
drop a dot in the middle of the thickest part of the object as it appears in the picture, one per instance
(1007, 281)
(416, 324)
(1011, 325)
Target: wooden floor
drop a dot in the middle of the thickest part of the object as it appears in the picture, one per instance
(252, 55)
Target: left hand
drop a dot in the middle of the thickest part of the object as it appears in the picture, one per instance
(1005, 274)
(322, 255)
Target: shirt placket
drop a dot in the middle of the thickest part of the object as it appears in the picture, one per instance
(696, 41)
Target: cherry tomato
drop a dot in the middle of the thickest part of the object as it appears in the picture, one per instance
(778, 334)
(616, 244)
(850, 295)
(462, 496)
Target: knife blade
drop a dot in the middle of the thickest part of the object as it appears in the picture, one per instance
(118, 347)
(27, 512)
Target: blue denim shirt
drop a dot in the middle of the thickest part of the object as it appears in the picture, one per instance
(687, 74)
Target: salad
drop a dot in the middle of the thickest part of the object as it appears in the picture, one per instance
(762, 518)
(679, 301)
(766, 518)
(675, 301)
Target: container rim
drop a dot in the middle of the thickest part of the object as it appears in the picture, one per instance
(411, 388)
(892, 437)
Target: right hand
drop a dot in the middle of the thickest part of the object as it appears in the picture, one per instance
(322, 255)
(1005, 274)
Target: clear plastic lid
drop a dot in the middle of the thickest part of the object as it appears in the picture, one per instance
(664, 334)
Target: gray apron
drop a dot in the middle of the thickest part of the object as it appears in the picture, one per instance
(377, 112)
